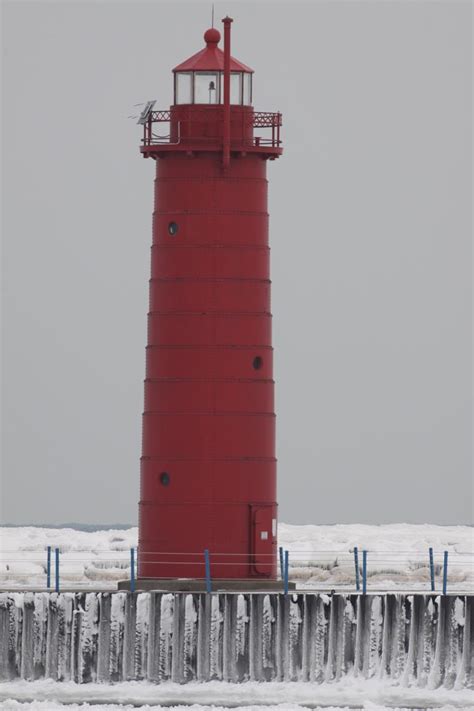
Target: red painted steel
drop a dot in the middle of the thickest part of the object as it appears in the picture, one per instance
(226, 143)
(211, 57)
(201, 127)
(208, 468)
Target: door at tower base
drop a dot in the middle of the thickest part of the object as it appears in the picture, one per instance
(208, 466)
(264, 524)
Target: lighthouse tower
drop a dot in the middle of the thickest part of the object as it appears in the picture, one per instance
(208, 468)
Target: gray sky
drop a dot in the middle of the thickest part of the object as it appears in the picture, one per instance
(371, 251)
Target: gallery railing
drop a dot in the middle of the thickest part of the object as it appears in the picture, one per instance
(188, 127)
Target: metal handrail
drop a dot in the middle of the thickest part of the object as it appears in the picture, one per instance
(260, 119)
(254, 119)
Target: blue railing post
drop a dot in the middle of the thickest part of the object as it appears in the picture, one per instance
(282, 564)
(48, 568)
(132, 569)
(207, 564)
(56, 569)
(286, 572)
(445, 572)
(432, 570)
(356, 565)
(364, 572)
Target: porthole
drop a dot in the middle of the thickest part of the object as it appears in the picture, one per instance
(257, 362)
(173, 228)
(165, 478)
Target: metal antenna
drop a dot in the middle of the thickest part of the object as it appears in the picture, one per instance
(212, 15)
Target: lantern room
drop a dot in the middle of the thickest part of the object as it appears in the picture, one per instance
(212, 109)
(200, 79)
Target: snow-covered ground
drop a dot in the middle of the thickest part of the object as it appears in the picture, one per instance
(348, 693)
(13, 705)
(320, 556)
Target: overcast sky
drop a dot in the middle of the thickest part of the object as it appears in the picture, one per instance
(371, 251)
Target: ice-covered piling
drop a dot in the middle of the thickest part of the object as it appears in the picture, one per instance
(415, 640)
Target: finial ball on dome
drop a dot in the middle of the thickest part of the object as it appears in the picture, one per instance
(212, 36)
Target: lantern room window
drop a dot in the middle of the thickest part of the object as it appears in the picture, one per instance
(208, 88)
(184, 88)
(247, 88)
(235, 88)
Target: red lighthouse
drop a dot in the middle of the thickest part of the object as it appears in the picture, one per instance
(208, 468)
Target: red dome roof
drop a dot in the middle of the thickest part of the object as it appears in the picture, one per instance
(212, 36)
(211, 57)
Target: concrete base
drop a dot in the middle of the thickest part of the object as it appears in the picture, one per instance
(199, 585)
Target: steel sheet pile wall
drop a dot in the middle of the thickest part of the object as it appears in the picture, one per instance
(419, 640)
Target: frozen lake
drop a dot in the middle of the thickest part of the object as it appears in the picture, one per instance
(321, 557)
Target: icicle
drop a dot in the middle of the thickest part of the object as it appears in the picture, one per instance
(40, 626)
(465, 677)
(455, 623)
(215, 665)
(413, 614)
(306, 635)
(282, 637)
(65, 612)
(447, 659)
(15, 627)
(166, 635)
(320, 639)
(52, 638)
(177, 659)
(344, 630)
(76, 653)
(349, 634)
(242, 639)
(154, 637)
(255, 638)
(4, 635)
(89, 635)
(436, 675)
(427, 645)
(268, 638)
(362, 635)
(398, 641)
(421, 617)
(117, 624)
(27, 661)
(141, 637)
(229, 642)
(190, 640)
(294, 636)
(375, 637)
(336, 633)
(103, 648)
(129, 637)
